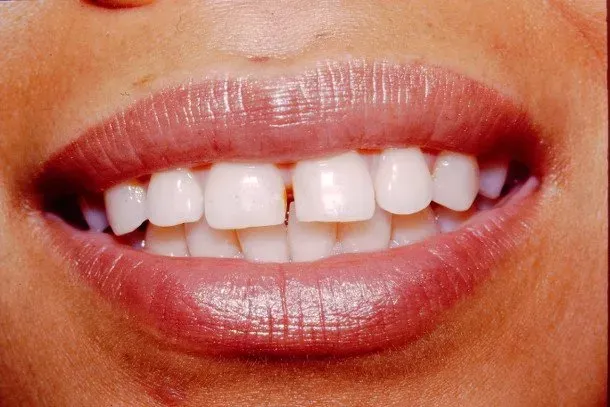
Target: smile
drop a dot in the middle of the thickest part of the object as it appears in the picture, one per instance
(332, 212)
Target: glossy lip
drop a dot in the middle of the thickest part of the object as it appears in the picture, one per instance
(339, 306)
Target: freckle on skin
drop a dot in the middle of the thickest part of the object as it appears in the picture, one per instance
(259, 59)
(145, 80)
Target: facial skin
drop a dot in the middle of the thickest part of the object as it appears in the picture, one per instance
(535, 334)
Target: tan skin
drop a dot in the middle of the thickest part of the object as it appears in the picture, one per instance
(534, 335)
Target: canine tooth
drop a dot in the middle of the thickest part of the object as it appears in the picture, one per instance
(309, 241)
(409, 229)
(239, 196)
(492, 175)
(449, 220)
(267, 244)
(334, 189)
(365, 236)
(455, 180)
(94, 214)
(166, 241)
(402, 182)
(126, 206)
(174, 197)
(203, 241)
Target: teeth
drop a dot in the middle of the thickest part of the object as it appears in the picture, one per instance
(346, 203)
(449, 221)
(309, 241)
(126, 206)
(94, 214)
(455, 181)
(168, 241)
(492, 177)
(174, 197)
(203, 241)
(239, 196)
(336, 189)
(365, 236)
(402, 181)
(409, 229)
(264, 244)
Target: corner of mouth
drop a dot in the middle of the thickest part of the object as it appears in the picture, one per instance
(348, 304)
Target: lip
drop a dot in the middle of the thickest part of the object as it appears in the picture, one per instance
(340, 306)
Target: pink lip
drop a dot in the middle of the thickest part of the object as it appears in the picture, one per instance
(340, 306)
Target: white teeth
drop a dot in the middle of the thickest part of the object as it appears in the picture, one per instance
(335, 189)
(168, 241)
(455, 180)
(239, 196)
(492, 177)
(174, 197)
(346, 203)
(402, 181)
(309, 241)
(365, 236)
(449, 221)
(203, 241)
(409, 229)
(126, 206)
(266, 244)
(94, 214)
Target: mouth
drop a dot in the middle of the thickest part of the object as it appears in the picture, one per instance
(334, 212)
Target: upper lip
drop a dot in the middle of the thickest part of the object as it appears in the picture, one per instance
(343, 305)
(336, 106)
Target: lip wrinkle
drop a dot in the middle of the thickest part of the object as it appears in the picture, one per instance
(337, 106)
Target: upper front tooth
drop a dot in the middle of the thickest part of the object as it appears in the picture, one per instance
(174, 197)
(310, 241)
(402, 181)
(126, 206)
(492, 177)
(335, 189)
(365, 236)
(239, 196)
(455, 181)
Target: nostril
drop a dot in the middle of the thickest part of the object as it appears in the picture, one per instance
(116, 4)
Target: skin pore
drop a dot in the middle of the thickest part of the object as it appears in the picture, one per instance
(534, 334)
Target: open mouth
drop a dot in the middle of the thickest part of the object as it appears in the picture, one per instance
(333, 212)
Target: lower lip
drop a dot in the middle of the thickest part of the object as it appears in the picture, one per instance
(341, 306)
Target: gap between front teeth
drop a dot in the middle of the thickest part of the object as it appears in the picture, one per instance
(346, 203)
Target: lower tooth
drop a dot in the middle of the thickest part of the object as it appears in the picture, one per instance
(166, 241)
(309, 241)
(409, 229)
(449, 221)
(365, 236)
(266, 244)
(203, 241)
(94, 214)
